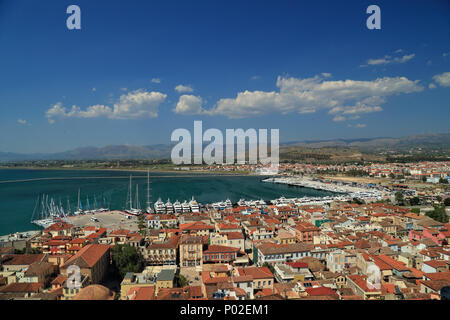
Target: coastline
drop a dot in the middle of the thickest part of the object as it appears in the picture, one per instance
(181, 172)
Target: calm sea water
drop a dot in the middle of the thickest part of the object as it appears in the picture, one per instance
(19, 190)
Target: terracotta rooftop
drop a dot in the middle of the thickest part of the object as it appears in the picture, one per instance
(89, 255)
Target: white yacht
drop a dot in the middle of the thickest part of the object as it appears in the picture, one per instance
(169, 207)
(194, 205)
(159, 206)
(228, 203)
(177, 207)
(241, 203)
(186, 207)
(260, 202)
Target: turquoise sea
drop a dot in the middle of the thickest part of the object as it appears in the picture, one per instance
(19, 190)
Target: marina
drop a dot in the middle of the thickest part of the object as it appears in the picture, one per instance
(108, 190)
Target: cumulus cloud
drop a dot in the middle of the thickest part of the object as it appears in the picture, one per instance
(358, 125)
(22, 121)
(443, 79)
(183, 88)
(134, 105)
(339, 118)
(387, 59)
(156, 80)
(189, 104)
(308, 95)
(432, 86)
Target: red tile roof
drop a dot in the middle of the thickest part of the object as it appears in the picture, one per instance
(89, 255)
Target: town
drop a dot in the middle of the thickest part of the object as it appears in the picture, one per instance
(387, 242)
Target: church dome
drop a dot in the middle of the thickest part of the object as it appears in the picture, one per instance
(94, 292)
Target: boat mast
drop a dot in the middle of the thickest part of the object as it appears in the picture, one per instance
(148, 188)
(130, 196)
(138, 206)
(79, 202)
(35, 207)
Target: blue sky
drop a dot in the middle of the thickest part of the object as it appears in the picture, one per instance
(310, 68)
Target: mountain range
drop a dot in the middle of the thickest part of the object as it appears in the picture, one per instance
(439, 141)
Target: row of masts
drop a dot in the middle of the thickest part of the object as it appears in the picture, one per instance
(159, 207)
(47, 210)
(135, 208)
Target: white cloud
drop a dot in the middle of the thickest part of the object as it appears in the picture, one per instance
(22, 121)
(387, 59)
(443, 79)
(311, 94)
(405, 58)
(431, 86)
(183, 88)
(134, 105)
(189, 104)
(445, 54)
(378, 61)
(326, 75)
(358, 125)
(339, 118)
(156, 80)
(255, 77)
(94, 89)
(137, 104)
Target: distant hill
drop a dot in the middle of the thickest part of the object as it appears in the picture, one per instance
(440, 140)
(339, 147)
(112, 152)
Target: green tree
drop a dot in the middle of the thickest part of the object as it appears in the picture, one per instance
(447, 202)
(414, 201)
(181, 281)
(399, 197)
(141, 225)
(415, 210)
(424, 179)
(444, 181)
(438, 214)
(126, 259)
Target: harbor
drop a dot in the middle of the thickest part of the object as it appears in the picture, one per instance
(347, 191)
(110, 189)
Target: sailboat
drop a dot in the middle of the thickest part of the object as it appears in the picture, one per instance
(43, 213)
(88, 206)
(80, 206)
(149, 208)
(104, 206)
(69, 210)
(131, 210)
